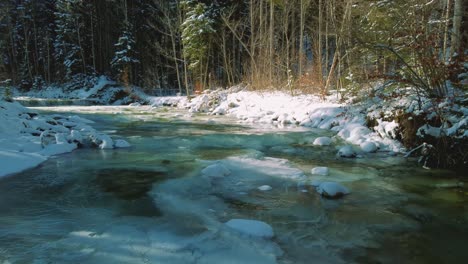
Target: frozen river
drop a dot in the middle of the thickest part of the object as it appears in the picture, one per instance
(151, 204)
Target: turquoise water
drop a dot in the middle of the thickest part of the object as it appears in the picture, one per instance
(150, 203)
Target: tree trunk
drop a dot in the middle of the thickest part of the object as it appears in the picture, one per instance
(456, 30)
(446, 30)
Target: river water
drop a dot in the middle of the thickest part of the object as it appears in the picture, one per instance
(151, 204)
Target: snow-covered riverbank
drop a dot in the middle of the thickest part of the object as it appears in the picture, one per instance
(28, 139)
(348, 121)
(370, 124)
(380, 120)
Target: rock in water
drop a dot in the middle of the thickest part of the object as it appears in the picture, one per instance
(331, 190)
(251, 227)
(369, 147)
(320, 171)
(322, 141)
(347, 152)
(216, 170)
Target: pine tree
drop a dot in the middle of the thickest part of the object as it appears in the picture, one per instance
(196, 32)
(125, 55)
(69, 49)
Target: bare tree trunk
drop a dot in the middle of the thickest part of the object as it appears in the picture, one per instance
(456, 30)
(319, 44)
(92, 41)
(303, 7)
(48, 59)
(272, 17)
(81, 47)
(446, 30)
(327, 48)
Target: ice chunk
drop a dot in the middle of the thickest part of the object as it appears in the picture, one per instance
(216, 170)
(251, 227)
(265, 188)
(322, 141)
(320, 171)
(331, 190)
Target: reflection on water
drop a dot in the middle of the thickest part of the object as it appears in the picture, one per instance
(150, 203)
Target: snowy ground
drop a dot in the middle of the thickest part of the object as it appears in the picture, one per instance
(28, 139)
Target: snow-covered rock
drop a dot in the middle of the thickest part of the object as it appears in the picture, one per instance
(320, 171)
(252, 228)
(369, 147)
(331, 190)
(75, 136)
(103, 141)
(27, 138)
(264, 188)
(216, 170)
(346, 152)
(120, 143)
(322, 141)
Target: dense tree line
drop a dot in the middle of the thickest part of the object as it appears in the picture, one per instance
(310, 45)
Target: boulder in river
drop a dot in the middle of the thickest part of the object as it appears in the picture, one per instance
(331, 190)
(369, 147)
(347, 152)
(322, 141)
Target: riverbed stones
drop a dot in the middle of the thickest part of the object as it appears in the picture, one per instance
(331, 190)
(252, 228)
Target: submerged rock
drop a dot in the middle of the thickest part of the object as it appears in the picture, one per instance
(347, 152)
(120, 143)
(331, 190)
(251, 227)
(128, 184)
(216, 170)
